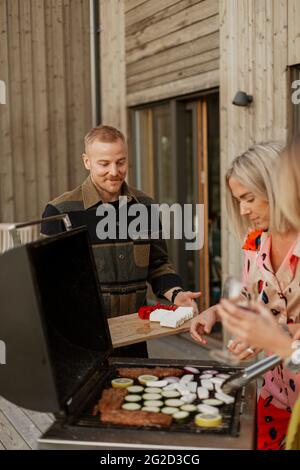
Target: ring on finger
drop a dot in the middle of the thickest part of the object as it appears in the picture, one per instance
(250, 350)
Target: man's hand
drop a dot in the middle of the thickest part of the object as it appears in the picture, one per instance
(202, 324)
(186, 299)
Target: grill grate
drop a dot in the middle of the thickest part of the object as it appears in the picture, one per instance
(230, 413)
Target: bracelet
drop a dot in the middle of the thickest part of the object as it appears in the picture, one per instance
(174, 294)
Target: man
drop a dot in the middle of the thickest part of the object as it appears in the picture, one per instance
(124, 265)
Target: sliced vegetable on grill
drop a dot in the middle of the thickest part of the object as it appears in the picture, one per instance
(155, 403)
(174, 402)
(228, 399)
(181, 415)
(152, 390)
(151, 409)
(151, 396)
(170, 393)
(223, 376)
(187, 378)
(208, 421)
(172, 386)
(206, 376)
(172, 380)
(202, 393)
(133, 398)
(208, 409)
(135, 389)
(143, 379)
(211, 371)
(207, 383)
(217, 380)
(189, 398)
(131, 406)
(182, 388)
(159, 383)
(192, 387)
(213, 402)
(192, 370)
(189, 407)
(169, 410)
(121, 383)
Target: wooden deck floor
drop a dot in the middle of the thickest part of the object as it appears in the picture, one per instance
(20, 428)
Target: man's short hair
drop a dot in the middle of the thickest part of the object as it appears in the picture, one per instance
(104, 134)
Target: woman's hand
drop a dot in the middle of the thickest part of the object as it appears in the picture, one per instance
(202, 324)
(242, 350)
(256, 327)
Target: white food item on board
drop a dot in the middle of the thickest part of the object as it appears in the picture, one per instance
(172, 319)
(158, 314)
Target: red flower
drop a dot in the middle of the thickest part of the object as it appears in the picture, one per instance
(252, 242)
(144, 312)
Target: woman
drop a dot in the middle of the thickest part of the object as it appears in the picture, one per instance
(271, 274)
(262, 330)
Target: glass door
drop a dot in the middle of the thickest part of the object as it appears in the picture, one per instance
(176, 149)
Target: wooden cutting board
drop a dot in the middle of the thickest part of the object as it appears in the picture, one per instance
(130, 329)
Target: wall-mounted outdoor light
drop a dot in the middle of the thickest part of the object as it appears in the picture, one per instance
(242, 99)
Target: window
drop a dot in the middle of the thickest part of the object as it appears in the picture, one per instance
(176, 160)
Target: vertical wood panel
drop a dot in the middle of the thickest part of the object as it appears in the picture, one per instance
(60, 160)
(28, 150)
(112, 43)
(41, 108)
(77, 115)
(6, 165)
(280, 96)
(50, 96)
(87, 114)
(293, 32)
(253, 40)
(15, 103)
(45, 63)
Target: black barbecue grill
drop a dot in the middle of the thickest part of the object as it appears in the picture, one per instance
(59, 354)
(230, 413)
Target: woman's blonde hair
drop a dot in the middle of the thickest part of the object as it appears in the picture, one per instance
(288, 179)
(254, 169)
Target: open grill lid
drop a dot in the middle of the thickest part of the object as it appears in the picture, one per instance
(52, 321)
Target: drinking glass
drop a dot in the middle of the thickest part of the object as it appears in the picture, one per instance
(231, 290)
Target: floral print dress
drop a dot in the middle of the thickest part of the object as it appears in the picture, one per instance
(280, 292)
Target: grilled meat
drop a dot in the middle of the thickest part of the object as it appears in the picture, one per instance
(111, 399)
(161, 372)
(135, 418)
